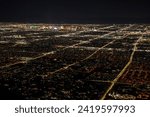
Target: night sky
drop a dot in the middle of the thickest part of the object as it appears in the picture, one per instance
(77, 11)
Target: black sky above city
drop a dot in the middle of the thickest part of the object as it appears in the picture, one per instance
(77, 11)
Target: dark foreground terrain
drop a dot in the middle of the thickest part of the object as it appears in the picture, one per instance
(50, 61)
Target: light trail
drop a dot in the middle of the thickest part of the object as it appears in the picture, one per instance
(123, 70)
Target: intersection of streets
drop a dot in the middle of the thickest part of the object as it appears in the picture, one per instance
(43, 61)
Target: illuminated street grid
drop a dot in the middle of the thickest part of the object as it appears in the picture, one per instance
(53, 61)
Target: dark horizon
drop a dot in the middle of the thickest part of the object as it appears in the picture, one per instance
(75, 12)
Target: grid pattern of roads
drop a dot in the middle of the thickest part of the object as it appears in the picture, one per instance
(74, 62)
